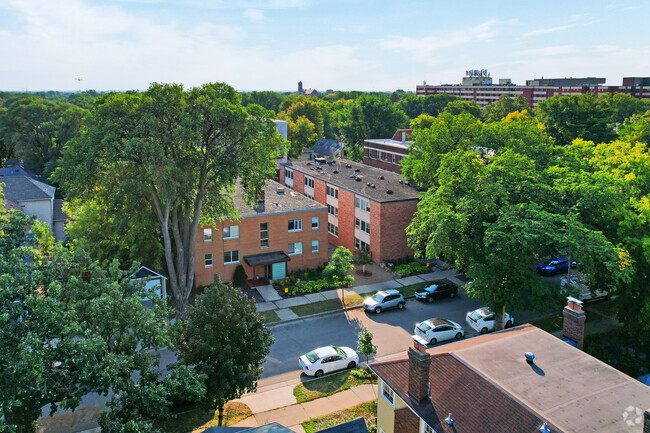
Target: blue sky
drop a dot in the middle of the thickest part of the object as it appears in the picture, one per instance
(342, 45)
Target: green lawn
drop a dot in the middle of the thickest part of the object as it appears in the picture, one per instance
(332, 384)
(270, 316)
(317, 307)
(366, 410)
(200, 419)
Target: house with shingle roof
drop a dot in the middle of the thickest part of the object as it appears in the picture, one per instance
(488, 384)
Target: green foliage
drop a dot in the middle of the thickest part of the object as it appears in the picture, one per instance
(340, 263)
(459, 106)
(225, 339)
(239, 277)
(267, 99)
(432, 105)
(636, 128)
(369, 117)
(503, 106)
(411, 269)
(364, 344)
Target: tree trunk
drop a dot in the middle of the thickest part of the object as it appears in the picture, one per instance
(500, 319)
(220, 418)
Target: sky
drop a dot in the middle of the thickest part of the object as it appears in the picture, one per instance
(326, 44)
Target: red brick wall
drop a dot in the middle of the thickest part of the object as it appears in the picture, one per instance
(346, 220)
(320, 192)
(406, 421)
(299, 183)
(281, 175)
(384, 165)
(248, 243)
(393, 219)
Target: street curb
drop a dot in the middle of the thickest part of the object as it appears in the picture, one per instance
(324, 313)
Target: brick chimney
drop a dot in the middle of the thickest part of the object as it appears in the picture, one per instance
(260, 202)
(574, 321)
(646, 421)
(419, 361)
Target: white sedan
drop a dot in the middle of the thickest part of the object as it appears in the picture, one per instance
(327, 359)
(435, 330)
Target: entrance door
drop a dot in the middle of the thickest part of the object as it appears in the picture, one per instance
(278, 271)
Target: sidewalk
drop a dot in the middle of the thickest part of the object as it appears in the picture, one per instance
(273, 302)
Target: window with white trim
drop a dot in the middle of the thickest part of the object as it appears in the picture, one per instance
(379, 155)
(314, 246)
(369, 153)
(288, 174)
(393, 158)
(426, 428)
(309, 182)
(362, 204)
(332, 229)
(334, 211)
(362, 225)
(207, 260)
(231, 232)
(207, 235)
(361, 245)
(388, 393)
(314, 223)
(331, 191)
(230, 257)
(295, 248)
(295, 225)
(264, 235)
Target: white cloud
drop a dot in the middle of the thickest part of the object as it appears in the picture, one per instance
(548, 51)
(254, 15)
(546, 31)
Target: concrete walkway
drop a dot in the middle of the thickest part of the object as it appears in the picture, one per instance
(282, 306)
(279, 405)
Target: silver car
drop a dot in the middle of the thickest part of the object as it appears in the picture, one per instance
(384, 300)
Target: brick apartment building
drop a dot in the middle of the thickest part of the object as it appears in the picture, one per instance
(386, 153)
(367, 207)
(482, 91)
(285, 232)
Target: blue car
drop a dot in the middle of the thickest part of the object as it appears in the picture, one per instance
(555, 266)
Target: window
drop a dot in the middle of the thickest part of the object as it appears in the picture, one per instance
(314, 246)
(362, 204)
(314, 223)
(334, 211)
(379, 155)
(362, 225)
(309, 196)
(369, 153)
(288, 174)
(309, 182)
(295, 248)
(207, 260)
(264, 235)
(332, 229)
(426, 428)
(361, 245)
(230, 257)
(295, 225)
(393, 157)
(387, 393)
(207, 235)
(231, 232)
(332, 192)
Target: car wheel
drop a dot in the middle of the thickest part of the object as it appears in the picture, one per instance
(459, 336)
(508, 323)
(433, 341)
(484, 331)
(352, 364)
(377, 310)
(400, 305)
(430, 299)
(318, 373)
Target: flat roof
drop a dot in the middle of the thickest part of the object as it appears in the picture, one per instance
(389, 142)
(359, 179)
(278, 199)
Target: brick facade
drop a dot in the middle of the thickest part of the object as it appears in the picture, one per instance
(248, 243)
(419, 363)
(392, 222)
(371, 156)
(646, 421)
(406, 421)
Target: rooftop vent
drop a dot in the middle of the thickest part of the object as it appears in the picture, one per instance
(359, 179)
(309, 163)
(381, 177)
(406, 182)
(400, 181)
(530, 357)
(348, 166)
(544, 428)
(448, 420)
(353, 176)
(335, 172)
(357, 170)
(277, 204)
(389, 191)
(368, 184)
(319, 168)
(320, 160)
(372, 185)
(280, 190)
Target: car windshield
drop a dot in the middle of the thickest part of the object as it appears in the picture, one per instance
(378, 297)
(431, 288)
(312, 357)
(475, 315)
(340, 352)
(424, 327)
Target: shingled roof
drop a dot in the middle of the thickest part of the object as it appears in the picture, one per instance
(329, 147)
(21, 188)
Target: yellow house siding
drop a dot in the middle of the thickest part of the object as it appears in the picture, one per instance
(386, 412)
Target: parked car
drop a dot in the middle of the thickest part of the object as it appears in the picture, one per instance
(482, 320)
(436, 330)
(577, 283)
(436, 291)
(555, 266)
(384, 300)
(327, 359)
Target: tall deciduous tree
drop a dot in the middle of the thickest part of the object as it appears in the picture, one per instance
(180, 152)
(503, 106)
(368, 117)
(225, 339)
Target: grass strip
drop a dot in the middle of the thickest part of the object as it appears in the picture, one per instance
(270, 316)
(317, 307)
(201, 419)
(366, 410)
(331, 384)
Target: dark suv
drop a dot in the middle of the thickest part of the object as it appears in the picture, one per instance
(437, 291)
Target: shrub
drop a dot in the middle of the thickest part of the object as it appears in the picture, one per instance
(240, 275)
(411, 268)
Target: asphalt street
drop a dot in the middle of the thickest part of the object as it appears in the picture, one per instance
(391, 330)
